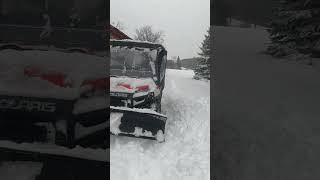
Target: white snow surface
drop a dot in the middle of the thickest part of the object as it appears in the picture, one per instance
(266, 111)
(185, 153)
(115, 122)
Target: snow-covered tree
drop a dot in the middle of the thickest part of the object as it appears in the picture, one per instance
(202, 70)
(295, 28)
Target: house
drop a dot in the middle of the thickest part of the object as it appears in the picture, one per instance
(117, 34)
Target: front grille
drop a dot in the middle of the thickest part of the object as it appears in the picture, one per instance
(121, 101)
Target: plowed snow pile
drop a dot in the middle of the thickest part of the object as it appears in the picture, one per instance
(185, 153)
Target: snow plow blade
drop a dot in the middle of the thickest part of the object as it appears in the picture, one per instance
(140, 123)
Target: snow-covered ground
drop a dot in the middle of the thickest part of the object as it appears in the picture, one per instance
(266, 111)
(185, 153)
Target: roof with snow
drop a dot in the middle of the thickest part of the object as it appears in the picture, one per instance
(135, 43)
(117, 34)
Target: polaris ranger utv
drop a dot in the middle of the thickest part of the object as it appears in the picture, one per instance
(137, 79)
(53, 75)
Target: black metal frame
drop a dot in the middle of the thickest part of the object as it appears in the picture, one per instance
(135, 44)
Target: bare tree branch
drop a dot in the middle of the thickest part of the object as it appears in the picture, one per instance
(146, 33)
(118, 24)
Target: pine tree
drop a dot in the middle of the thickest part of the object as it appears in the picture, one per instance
(202, 70)
(295, 28)
(179, 65)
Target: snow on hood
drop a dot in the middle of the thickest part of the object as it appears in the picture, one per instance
(77, 67)
(74, 64)
(131, 85)
(136, 41)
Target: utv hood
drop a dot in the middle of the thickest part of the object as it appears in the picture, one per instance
(132, 85)
(48, 74)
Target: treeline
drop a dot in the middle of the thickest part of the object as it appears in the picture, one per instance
(251, 11)
(295, 28)
(174, 64)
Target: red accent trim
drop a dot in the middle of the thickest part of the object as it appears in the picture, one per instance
(55, 78)
(128, 86)
(143, 88)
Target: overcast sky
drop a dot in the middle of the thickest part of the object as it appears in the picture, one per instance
(184, 22)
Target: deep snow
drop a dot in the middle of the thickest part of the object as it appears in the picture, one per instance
(185, 153)
(266, 111)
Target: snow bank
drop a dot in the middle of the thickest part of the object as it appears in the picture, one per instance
(185, 153)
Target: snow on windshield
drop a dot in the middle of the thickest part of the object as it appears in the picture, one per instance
(133, 59)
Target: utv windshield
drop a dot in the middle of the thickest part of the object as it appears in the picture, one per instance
(132, 62)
